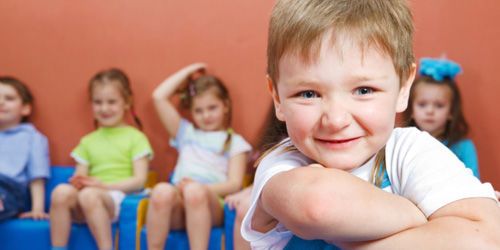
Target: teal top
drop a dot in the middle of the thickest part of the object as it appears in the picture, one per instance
(466, 152)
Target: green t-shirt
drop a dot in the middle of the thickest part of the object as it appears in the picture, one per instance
(110, 152)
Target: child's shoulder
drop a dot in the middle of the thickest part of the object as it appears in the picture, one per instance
(284, 156)
(409, 134)
(463, 144)
(26, 128)
(410, 139)
(238, 138)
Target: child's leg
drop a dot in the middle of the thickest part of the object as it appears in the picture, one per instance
(241, 210)
(98, 208)
(164, 211)
(203, 209)
(8, 205)
(63, 201)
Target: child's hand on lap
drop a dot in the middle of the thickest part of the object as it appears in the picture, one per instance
(76, 181)
(184, 182)
(87, 181)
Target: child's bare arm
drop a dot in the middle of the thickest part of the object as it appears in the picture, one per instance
(168, 114)
(234, 199)
(136, 182)
(472, 223)
(236, 171)
(330, 204)
(37, 189)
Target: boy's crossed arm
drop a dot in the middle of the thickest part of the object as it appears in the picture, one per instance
(471, 223)
(333, 205)
(329, 204)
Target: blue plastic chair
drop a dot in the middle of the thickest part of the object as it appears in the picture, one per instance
(178, 239)
(229, 217)
(27, 234)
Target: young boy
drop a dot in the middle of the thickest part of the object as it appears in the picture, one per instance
(339, 71)
(24, 154)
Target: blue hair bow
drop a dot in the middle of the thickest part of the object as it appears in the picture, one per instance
(439, 69)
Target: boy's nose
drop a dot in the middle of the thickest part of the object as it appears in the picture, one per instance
(335, 116)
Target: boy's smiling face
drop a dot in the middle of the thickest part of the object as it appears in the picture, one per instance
(340, 109)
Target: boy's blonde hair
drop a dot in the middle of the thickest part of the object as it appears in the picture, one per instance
(297, 27)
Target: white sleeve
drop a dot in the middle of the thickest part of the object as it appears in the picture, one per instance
(239, 145)
(426, 172)
(274, 163)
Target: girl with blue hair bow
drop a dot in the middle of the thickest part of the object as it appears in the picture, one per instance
(435, 106)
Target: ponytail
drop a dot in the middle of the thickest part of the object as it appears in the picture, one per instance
(378, 171)
(136, 118)
(227, 143)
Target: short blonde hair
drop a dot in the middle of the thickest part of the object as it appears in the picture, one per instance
(297, 26)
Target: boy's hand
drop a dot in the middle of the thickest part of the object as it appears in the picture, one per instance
(498, 195)
(35, 215)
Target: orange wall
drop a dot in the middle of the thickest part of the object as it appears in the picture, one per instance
(467, 32)
(56, 46)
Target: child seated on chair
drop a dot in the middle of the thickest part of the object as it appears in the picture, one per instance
(24, 154)
(212, 158)
(110, 162)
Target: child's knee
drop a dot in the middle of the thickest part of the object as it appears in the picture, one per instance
(63, 194)
(89, 198)
(195, 194)
(163, 195)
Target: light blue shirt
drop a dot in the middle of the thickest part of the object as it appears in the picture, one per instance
(466, 152)
(24, 154)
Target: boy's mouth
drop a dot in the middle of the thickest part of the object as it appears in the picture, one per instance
(338, 143)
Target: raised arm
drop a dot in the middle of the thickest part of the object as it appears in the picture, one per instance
(333, 205)
(167, 112)
(236, 171)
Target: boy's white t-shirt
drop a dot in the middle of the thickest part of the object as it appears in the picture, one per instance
(419, 168)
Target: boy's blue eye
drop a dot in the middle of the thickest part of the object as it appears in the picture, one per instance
(363, 91)
(308, 94)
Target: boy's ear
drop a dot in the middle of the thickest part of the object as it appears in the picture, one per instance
(276, 99)
(26, 110)
(404, 91)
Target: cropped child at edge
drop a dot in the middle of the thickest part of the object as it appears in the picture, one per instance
(271, 133)
(338, 72)
(111, 161)
(211, 163)
(435, 106)
(24, 154)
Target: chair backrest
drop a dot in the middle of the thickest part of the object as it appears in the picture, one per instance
(58, 175)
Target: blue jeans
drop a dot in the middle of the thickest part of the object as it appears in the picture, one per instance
(13, 196)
